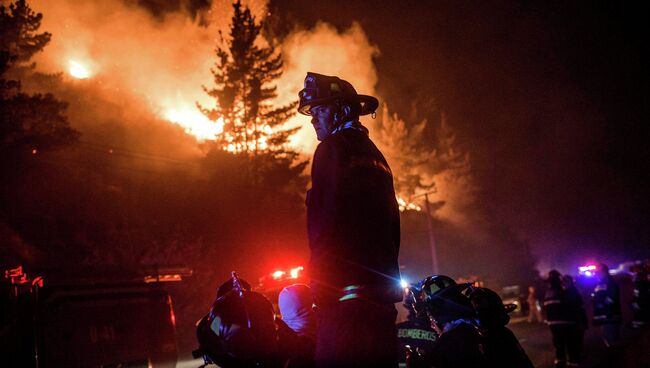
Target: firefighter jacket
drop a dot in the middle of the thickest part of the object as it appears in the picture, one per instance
(353, 219)
(502, 349)
(459, 346)
(576, 306)
(606, 302)
(558, 309)
(416, 333)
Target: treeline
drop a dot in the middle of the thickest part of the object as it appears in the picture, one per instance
(95, 197)
(82, 195)
(93, 184)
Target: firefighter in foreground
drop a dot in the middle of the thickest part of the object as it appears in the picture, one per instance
(354, 230)
(415, 335)
(501, 347)
(451, 313)
(471, 322)
(241, 329)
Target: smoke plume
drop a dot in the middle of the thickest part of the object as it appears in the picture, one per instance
(322, 49)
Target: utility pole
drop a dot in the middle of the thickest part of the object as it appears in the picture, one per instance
(432, 239)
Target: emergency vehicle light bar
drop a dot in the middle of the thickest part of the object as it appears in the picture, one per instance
(588, 271)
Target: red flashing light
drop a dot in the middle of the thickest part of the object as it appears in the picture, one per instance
(295, 272)
(172, 316)
(278, 274)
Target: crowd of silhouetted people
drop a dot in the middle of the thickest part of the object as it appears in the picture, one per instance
(449, 324)
(563, 308)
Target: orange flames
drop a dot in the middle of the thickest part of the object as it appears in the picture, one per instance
(195, 123)
(164, 63)
(407, 206)
(78, 70)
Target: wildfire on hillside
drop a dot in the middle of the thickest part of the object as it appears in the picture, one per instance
(166, 65)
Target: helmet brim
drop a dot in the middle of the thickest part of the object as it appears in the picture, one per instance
(368, 104)
(305, 108)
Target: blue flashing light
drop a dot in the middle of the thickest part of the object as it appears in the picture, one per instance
(588, 271)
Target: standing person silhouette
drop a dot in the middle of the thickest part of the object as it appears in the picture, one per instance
(354, 230)
(606, 302)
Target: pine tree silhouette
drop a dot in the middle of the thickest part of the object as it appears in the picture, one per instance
(253, 126)
(243, 90)
(29, 123)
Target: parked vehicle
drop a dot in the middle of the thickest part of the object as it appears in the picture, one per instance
(86, 323)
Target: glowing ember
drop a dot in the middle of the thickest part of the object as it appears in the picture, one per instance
(195, 123)
(407, 206)
(77, 70)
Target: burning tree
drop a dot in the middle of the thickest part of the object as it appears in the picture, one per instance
(420, 167)
(243, 76)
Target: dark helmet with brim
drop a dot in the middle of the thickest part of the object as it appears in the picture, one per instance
(431, 286)
(443, 299)
(324, 89)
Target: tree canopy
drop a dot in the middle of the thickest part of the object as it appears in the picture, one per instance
(29, 122)
(244, 91)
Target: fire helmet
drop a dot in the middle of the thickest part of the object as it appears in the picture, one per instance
(233, 284)
(239, 330)
(322, 89)
(489, 307)
(432, 285)
(444, 300)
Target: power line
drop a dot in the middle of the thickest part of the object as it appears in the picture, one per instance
(58, 160)
(113, 150)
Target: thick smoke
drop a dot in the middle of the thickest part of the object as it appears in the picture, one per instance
(144, 69)
(142, 63)
(156, 64)
(323, 49)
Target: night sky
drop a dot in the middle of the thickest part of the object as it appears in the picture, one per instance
(549, 98)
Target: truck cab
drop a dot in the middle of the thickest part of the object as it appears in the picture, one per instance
(86, 322)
